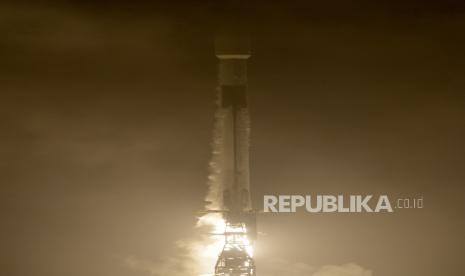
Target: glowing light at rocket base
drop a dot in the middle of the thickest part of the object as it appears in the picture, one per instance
(215, 242)
(221, 235)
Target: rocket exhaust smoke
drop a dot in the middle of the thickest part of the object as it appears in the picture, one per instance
(197, 256)
(225, 222)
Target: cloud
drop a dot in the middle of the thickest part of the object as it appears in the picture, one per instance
(189, 265)
(350, 269)
(193, 257)
(279, 267)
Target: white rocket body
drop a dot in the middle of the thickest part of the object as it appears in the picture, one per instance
(233, 103)
(236, 258)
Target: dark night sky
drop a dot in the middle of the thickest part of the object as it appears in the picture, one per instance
(106, 115)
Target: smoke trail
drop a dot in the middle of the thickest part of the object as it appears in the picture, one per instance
(214, 196)
(197, 256)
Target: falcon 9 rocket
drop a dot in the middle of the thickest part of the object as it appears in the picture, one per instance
(236, 258)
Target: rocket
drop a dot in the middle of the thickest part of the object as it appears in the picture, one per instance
(233, 53)
(236, 258)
